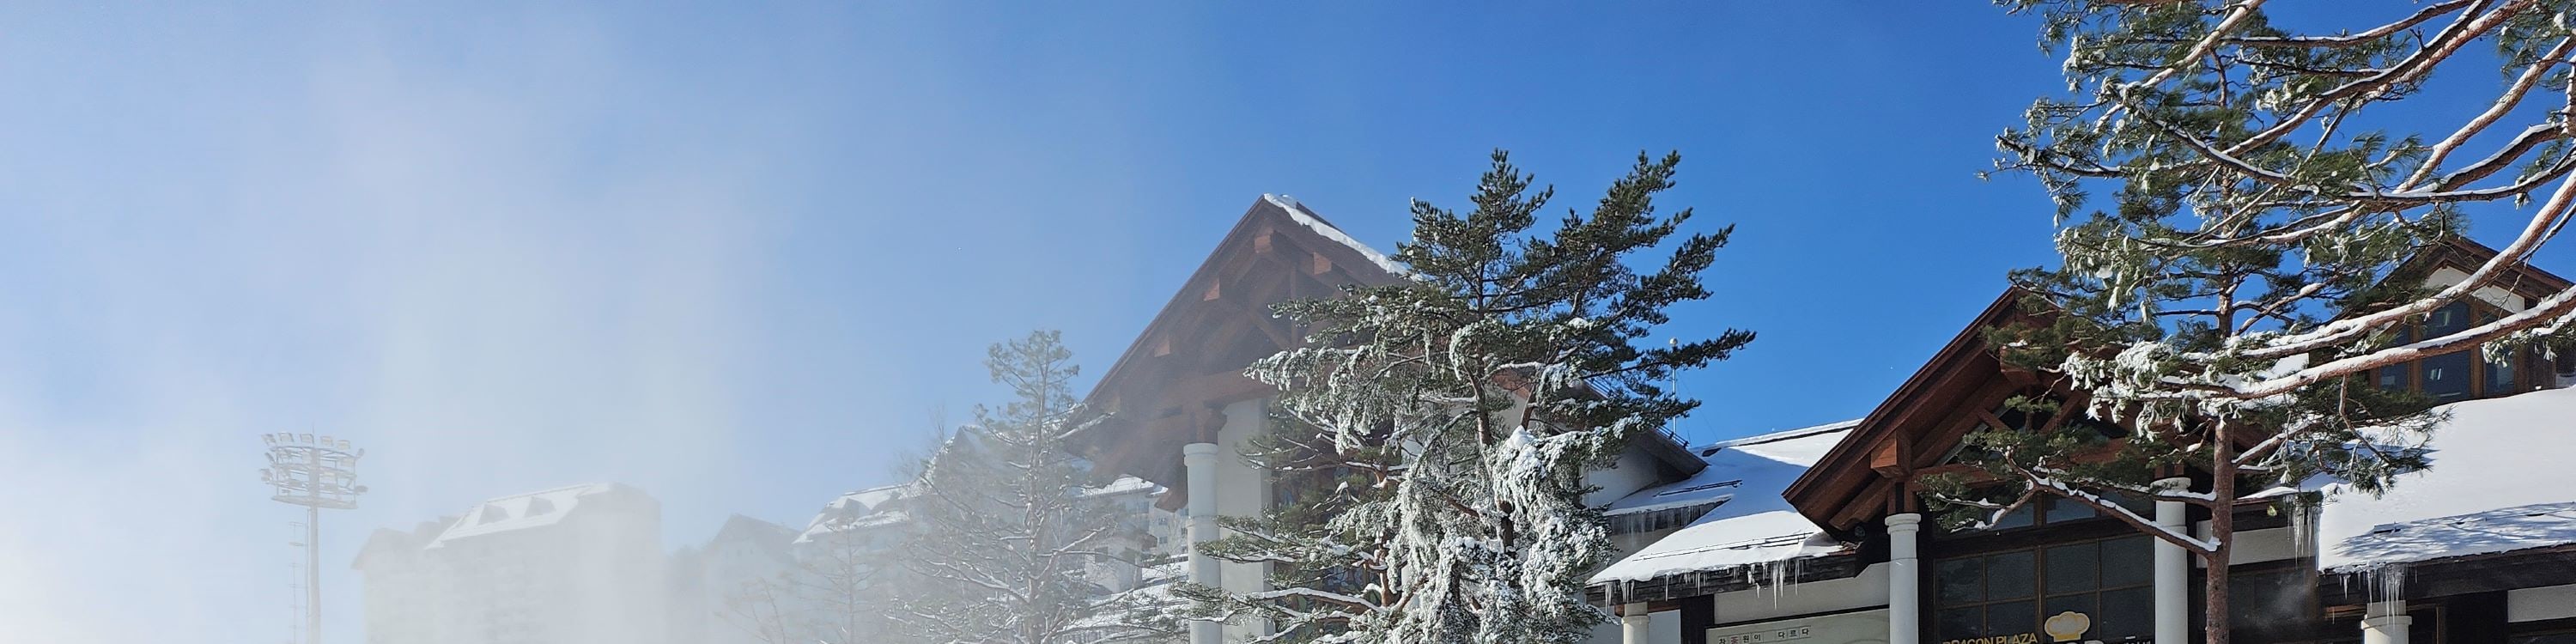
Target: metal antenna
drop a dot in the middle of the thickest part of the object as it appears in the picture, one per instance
(314, 472)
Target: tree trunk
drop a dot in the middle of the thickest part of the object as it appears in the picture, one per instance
(2222, 531)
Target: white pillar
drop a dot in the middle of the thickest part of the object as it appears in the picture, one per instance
(2385, 623)
(2173, 570)
(1904, 580)
(1200, 458)
(1634, 623)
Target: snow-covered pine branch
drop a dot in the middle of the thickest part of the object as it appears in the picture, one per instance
(2263, 244)
(1435, 433)
(1006, 533)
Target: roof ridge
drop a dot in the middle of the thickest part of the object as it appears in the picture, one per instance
(1787, 434)
(551, 490)
(1307, 217)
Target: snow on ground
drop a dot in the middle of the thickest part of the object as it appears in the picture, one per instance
(2500, 481)
(1753, 523)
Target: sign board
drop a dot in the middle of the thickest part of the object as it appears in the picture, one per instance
(1861, 627)
(2067, 626)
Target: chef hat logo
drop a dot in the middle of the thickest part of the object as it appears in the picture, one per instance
(2067, 626)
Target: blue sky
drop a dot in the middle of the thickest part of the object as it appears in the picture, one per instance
(744, 257)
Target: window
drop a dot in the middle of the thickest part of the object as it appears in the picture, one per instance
(2274, 604)
(2500, 378)
(2397, 377)
(2446, 377)
(2460, 375)
(2013, 592)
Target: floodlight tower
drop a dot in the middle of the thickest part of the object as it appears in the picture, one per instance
(315, 473)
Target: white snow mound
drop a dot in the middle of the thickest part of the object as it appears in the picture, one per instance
(2498, 482)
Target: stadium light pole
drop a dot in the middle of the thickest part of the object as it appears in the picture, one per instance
(317, 473)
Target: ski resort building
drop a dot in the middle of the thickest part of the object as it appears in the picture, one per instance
(1821, 537)
(1817, 535)
(571, 565)
(1179, 410)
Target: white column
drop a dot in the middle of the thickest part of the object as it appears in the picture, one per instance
(2385, 623)
(1904, 580)
(2173, 570)
(1633, 624)
(1200, 458)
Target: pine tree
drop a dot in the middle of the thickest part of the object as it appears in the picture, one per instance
(833, 595)
(2225, 305)
(1436, 432)
(1006, 526)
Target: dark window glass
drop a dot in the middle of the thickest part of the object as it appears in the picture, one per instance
(2067, 510)
(2126, 613)
(2143, 507)
(2446, 377)
(2009, 575)
(2011, 617)
(2500, 375)
(2273, 605)
(2073, 567)
(2083, 603)
(1960, 623)
(1960, 580)
(2025, 587)
(2018, 518)
(2128, 561)
(2396, 377)
(2451, 318)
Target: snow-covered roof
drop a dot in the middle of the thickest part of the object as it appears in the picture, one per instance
(1123, 485)
(519, 512)
(1752, 523)
(860, 509)
(1307, 218)
(2498, 482)
(880, 506)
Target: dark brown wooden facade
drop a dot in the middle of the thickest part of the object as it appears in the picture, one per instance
(1167, 389)
(1874, 473)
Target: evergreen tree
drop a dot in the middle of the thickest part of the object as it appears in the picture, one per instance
(833, 595)
(2225, 307)
(1006, 528)
(1435, 433)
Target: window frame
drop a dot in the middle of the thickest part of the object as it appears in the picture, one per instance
(2039, 596)
(2525, 364)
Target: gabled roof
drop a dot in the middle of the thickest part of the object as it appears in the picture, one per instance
(1158, 394)
(1165, 390)
(524, 511)
(1914, 427)
(1836, 493)
(2467, 255)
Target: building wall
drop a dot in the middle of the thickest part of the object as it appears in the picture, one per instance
(595, 577)
(1632, 472)
(1867, 590)
(2535, 604)
(1242, 491)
